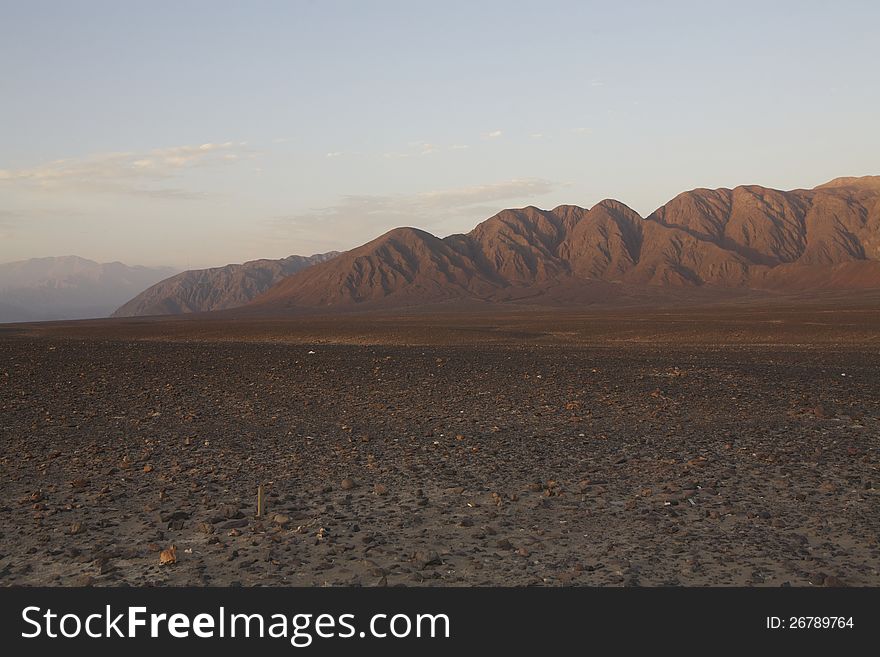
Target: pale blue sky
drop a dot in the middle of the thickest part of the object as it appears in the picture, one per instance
(199, 133)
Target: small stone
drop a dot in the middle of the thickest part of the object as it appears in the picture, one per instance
(173, 515)
(234, 524)
(148, 468)
(380, 489)
(425, 558)
(281, 519)
(827, 487)
(347, 484)
(504, 544)
(817, 578)
(75, 528)
(169, 556)
(206, 528)
(831, 580)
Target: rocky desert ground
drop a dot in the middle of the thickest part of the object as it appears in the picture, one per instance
(714, 446)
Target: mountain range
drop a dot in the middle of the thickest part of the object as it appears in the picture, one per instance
(702, 242)
(69, 287)
(746, 238)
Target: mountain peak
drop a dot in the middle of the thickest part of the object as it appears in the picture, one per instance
(869, 182)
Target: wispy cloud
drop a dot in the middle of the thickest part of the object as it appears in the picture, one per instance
(492, 135)
(362, 217)
(423, 147)
(414, 149)
(129, 172)
(474, 194)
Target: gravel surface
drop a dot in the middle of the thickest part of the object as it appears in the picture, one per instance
(512, 462)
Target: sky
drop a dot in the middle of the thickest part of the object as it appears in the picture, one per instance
(196, 133)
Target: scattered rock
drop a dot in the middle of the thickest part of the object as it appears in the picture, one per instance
(234, 524)
(168, 556)
(424, 558)
(831, 580)
(281, 520)
(170, 516)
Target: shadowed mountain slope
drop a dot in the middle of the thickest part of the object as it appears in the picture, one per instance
(218, 288)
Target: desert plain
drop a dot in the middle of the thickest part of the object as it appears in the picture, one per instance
(727, 444)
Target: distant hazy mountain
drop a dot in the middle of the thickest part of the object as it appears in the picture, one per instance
(217, 288)
(69, 287)
(749, 238)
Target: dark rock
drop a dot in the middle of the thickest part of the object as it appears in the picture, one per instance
(234, 524)
(169, 516)
(425, 558)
